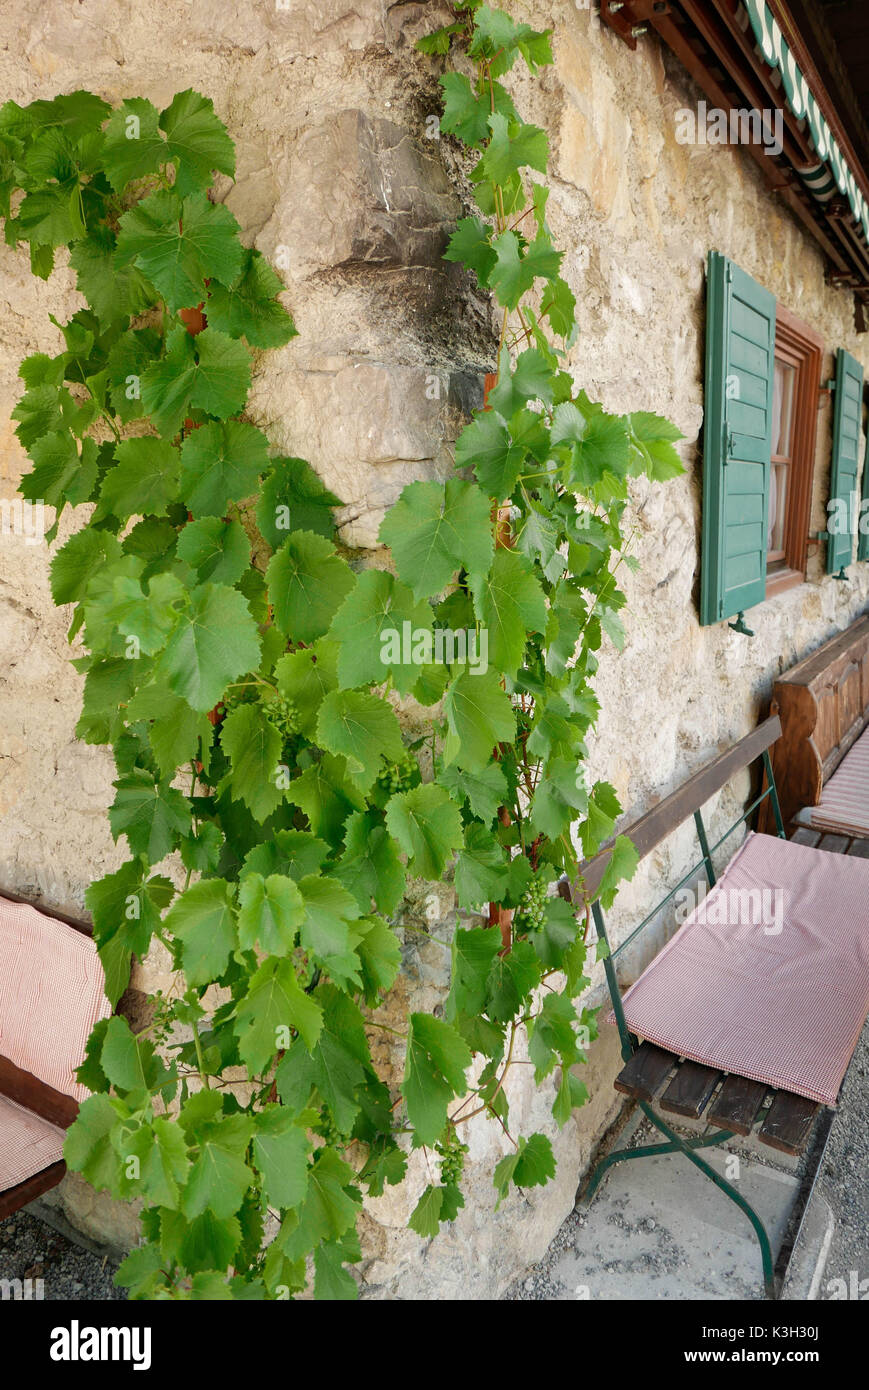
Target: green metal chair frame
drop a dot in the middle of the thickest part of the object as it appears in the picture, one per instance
(708, 781)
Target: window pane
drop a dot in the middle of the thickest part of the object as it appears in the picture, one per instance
(783, 407)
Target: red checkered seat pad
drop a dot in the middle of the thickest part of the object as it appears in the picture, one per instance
(52, 992)
(781, 1006)
(844, 804)
(27, 1144)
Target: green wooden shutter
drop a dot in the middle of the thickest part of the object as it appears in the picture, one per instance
(846, 445)
(863, 544)
(737, 434)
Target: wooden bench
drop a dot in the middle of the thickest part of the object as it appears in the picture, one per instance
(51, 994)
(823, 706)
(730, 1103)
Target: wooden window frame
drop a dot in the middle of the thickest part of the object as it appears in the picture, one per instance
(802, 347)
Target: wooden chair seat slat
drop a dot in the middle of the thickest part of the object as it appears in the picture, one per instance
(690, 1089)
(834, 844)
(804, 836)
(646, 1072)
(737, 1103)
(788, 1122)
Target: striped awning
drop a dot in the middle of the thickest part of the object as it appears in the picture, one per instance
(832, 171)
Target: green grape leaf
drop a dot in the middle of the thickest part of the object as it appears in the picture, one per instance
(88, 1148)
(307, 584)
(281, 1148)
(482, 869)
(511, 147)
(377, 627)
(274, 1003)
(654, 437)
(474, 952)
(164, 1165)
(43, 410)
(622, 865)
(249, 308)
(515, 271)
(151, 814)
(426, 1215)
(336, 1066)
(508, 601)
(59, 475)
(293, 498)
(485, 445)
(435, 1065)
(306, 677)
(128, 1064)
(361, 727)
(434, 529)
(133, 145)
(210, 372)
(327, 796)
(325, 932)
(218, 550)
(113, 293)
(203, 919)
(370, 867)
(221, 463)
(143, 481)
(511, 980)
(598, 444)
(215, 642)
(485, 791)
(532, 1165)
(427, 826)
(480, 716)
(197, 141)
(219, 1177)
(380, 955)
(330, 1208)
(270, 913)
(85, 554)
(466, 114)
(253, 746)
(530, 380)
(471, 245)
(129, 358)
(175, 731)
(179, 244)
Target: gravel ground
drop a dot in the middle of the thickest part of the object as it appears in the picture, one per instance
(29, 1249)
(842, 1181)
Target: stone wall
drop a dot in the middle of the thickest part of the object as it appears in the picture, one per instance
(340, 184)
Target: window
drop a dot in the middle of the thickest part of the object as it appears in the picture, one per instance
(796, 378)
(763, 368)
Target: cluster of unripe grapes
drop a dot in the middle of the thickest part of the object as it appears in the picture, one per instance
(330, 1131)
(398, 777)
(532, 906)
(451, 1152)
(284, 714)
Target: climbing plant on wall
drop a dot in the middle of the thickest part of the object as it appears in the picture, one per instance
(250, 682)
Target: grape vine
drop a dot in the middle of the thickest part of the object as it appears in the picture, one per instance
(255, 723)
